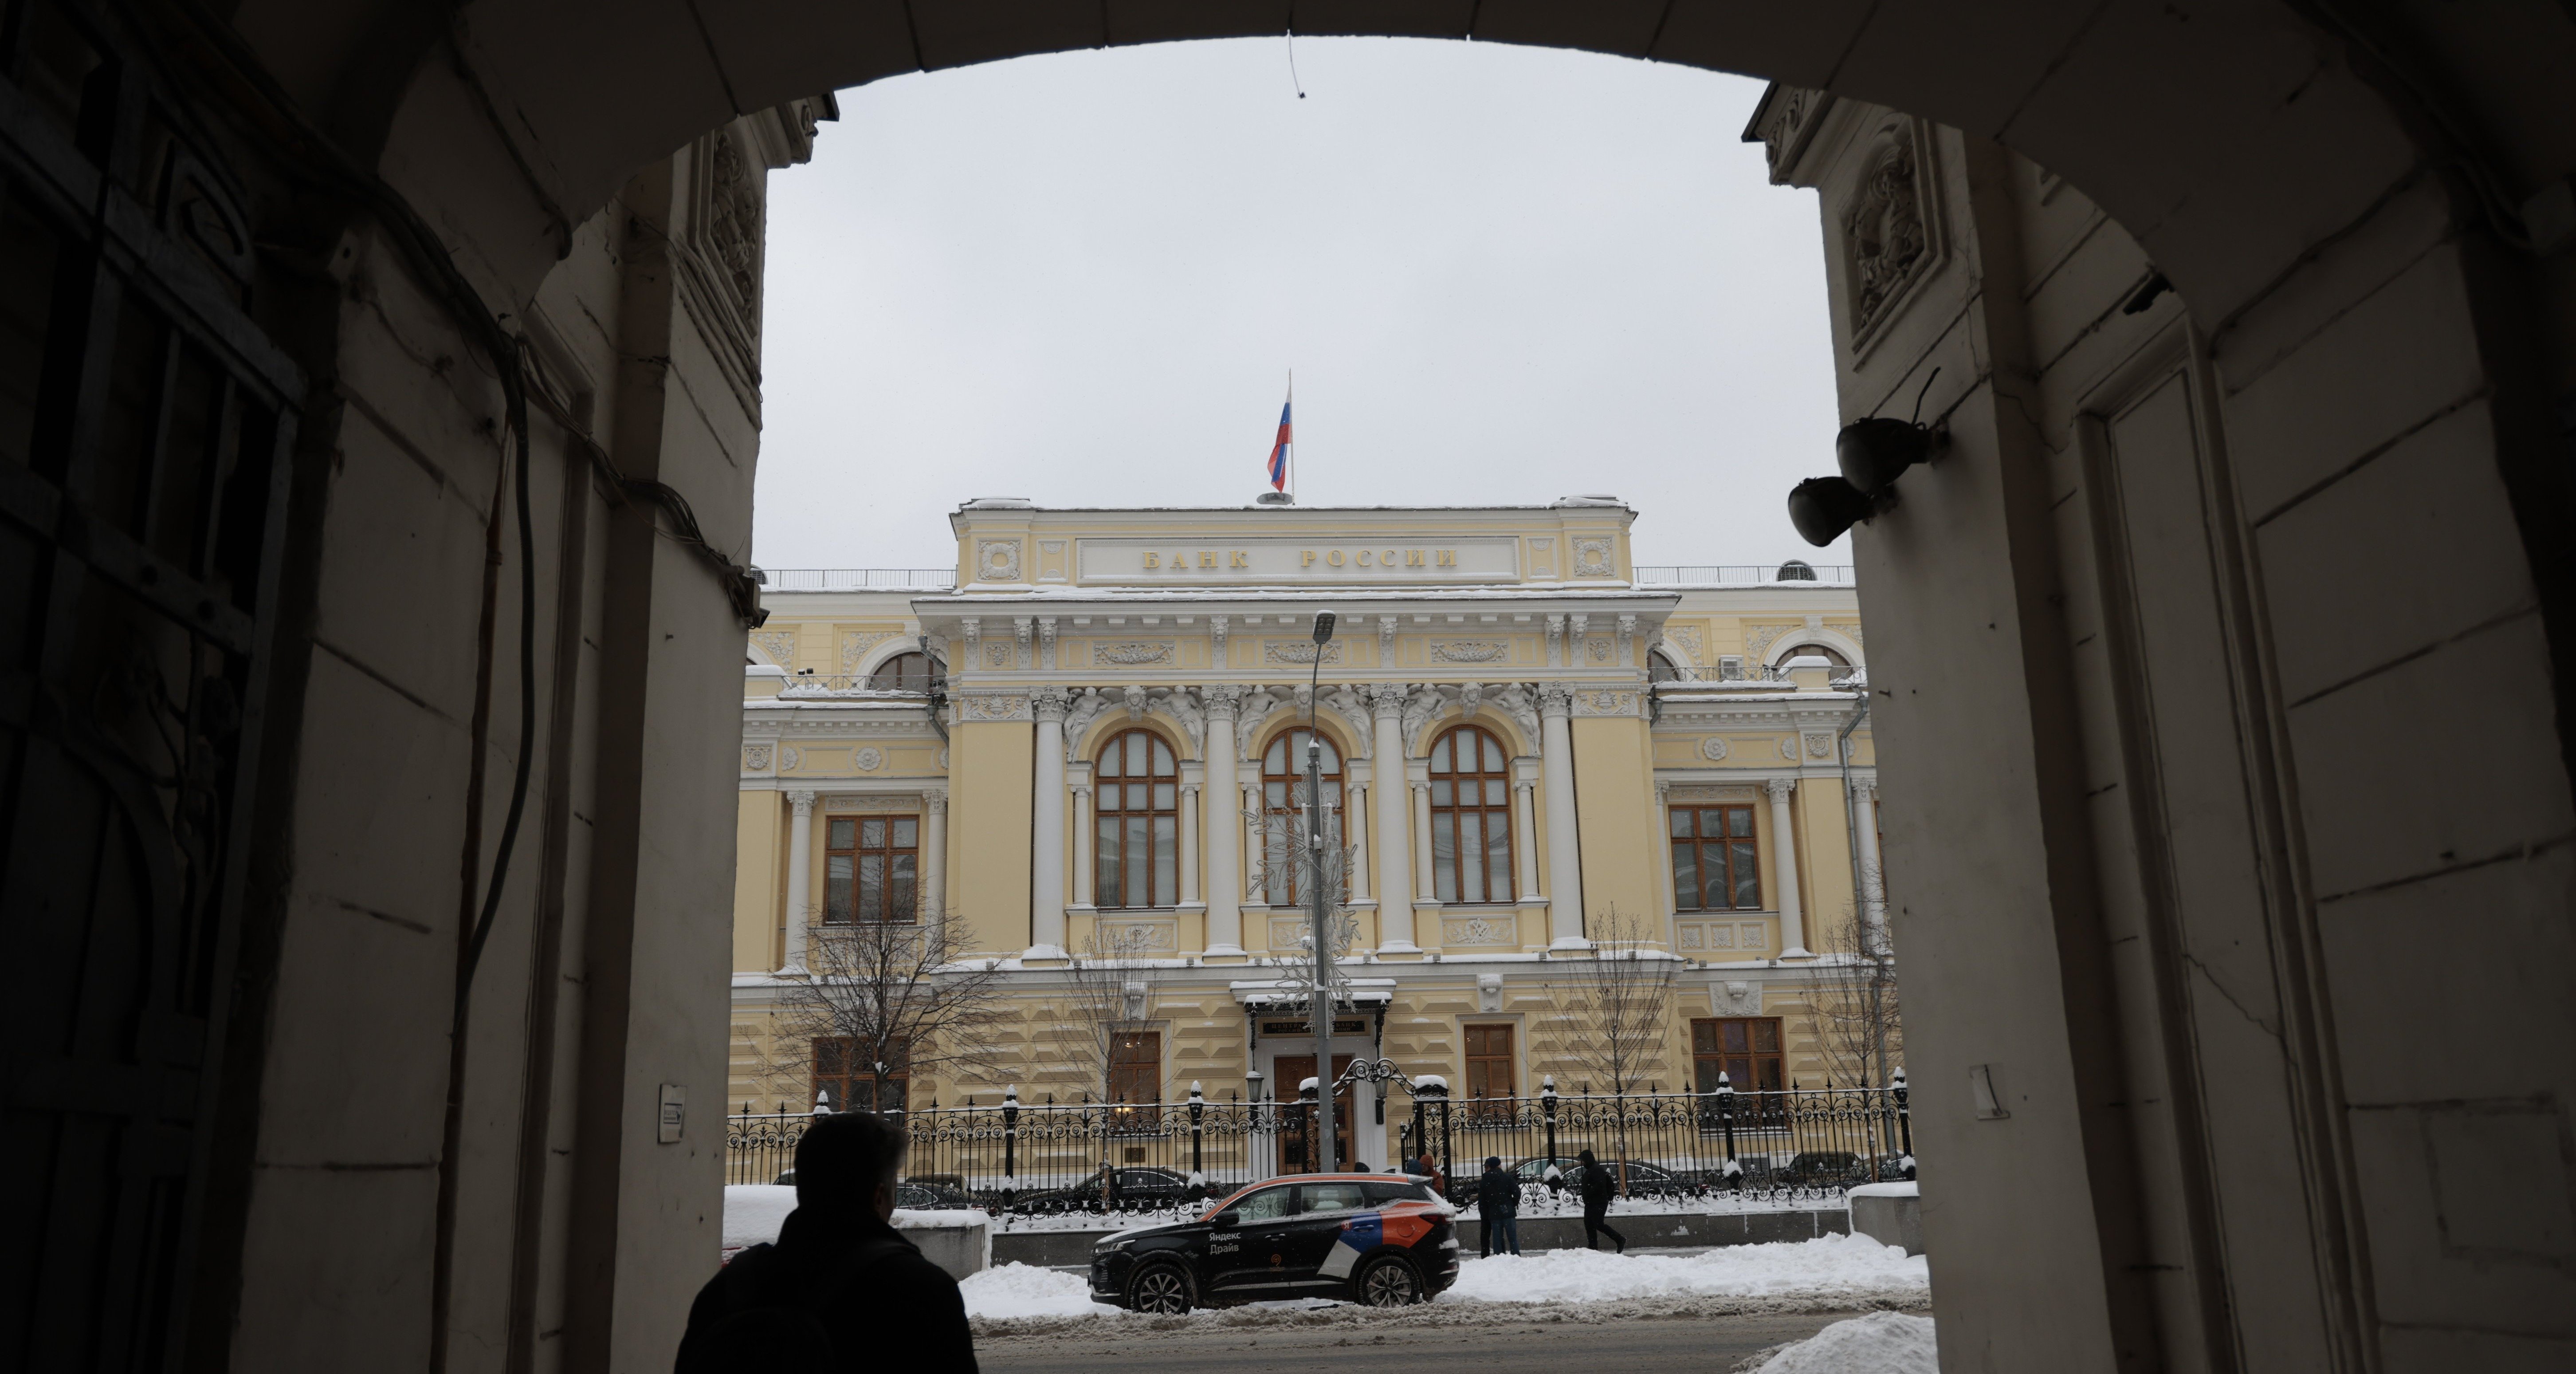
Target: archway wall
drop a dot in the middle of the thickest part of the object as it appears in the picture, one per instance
(2341, 302)
(2144, 647)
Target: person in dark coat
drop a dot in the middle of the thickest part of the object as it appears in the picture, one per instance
(1498, 1200)
(841, 1289)
(1598, 1187)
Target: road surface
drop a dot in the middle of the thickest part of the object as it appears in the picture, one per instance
(1509, 1339)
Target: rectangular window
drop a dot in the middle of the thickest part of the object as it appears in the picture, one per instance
(1489, 1062)
(846, 1076)
(1135, 1077)
(1745, 1048)
(1714, 866)
(872, 869)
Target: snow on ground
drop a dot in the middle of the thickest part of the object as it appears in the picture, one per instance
(1880, 1343)
(1837, 1268)
(1831, 1271)
(1009, 1292)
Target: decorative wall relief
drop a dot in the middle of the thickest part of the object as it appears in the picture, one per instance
(779, 644)
(1137, 935)
(1470, 651)
(1542, 555)
(1596, 650)
(1300, 654)
(997, 655)
(899, 804)
(1685, 638)
(993, 706)
(855, 645)
(1592, 557)
(1760, 637)
(868, 759)
(789, 758)
(1713, 749)
(1134, 655)
(1885, 243)
(1788, 126)
(1478, 930)
(997, 560)
(1789, 749)
(1820, 746)
(755, 758)
(1589, 703)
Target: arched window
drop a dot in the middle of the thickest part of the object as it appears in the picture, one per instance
(1471, 818)
(1283, 785)
(1661, 668)
(1138, 783)
(1829, 655)
(906, 672)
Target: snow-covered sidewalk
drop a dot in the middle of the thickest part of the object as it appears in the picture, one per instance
(1831, 1271)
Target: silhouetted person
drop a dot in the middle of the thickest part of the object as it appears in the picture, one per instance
(1597, 1190)
(1498, 1200)
(841, 1289)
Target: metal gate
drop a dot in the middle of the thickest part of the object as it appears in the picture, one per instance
(145, 423)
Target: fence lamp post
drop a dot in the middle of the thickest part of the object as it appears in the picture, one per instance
(1726, 1122)
(1198, 1109)
(1010, 1145)
(1904, 1119)
(1547, 1108)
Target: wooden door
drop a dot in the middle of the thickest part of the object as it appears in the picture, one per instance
(1296, 1153)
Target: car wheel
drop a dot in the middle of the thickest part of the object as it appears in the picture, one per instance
(1388, 1281)
(1161, 1288)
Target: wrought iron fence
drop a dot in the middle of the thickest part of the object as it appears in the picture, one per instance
(1777, 1146)
(1028, 1160)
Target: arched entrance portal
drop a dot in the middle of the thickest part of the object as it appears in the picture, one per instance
(2170, 664)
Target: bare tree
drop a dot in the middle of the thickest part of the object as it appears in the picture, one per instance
(1608, 1014)
(1852, 1004)
(895, 998)
(1109, 993)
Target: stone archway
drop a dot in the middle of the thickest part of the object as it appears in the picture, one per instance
(2362, 251)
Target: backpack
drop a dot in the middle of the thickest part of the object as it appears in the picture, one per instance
(768, 1323)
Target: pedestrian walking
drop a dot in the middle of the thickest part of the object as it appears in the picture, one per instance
(1498, 1200)
(1598, 1187)
(1421, 1167)
(841, 1289)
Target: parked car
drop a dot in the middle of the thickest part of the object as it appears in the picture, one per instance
(923, 1195)
(1373, 1239)
(1131, 1187)
(1825, 1169)
(1644, 1179)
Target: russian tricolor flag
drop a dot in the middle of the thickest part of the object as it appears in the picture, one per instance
(1279, 451)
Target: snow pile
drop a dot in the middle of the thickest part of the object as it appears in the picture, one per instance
(1906, 1189)
(1842, 1268)
(1024, 1290)
(1880, 1343)
(753, 1212)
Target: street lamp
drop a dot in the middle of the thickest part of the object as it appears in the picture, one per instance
(1322, 998)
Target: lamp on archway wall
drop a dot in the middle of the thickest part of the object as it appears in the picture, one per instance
(1872, 453)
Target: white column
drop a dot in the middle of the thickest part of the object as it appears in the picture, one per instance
(1564, 846)
(1355, 825)
(934, 855)
(1224, 877)
(1084, 844)
(1426, 877)
(1784, 869)
(800, 878)
(1525, 836)
(1664, 846)
(1873, 884)
(1046, 853)
(1395, 931)
(1189, 843)
(1252, 843)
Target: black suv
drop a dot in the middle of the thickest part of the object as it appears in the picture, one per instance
(1370, 1238)
(1129, 1187)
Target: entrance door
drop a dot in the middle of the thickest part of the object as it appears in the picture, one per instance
(1296, 1152)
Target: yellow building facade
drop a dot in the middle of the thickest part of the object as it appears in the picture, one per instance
(1079, 743)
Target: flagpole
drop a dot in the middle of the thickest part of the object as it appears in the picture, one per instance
(1294, 462)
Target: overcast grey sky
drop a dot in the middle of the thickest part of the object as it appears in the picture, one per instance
(1501, 274)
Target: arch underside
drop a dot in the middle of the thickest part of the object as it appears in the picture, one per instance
(2151, 113)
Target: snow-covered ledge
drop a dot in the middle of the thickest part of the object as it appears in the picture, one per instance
(1890, 1213)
